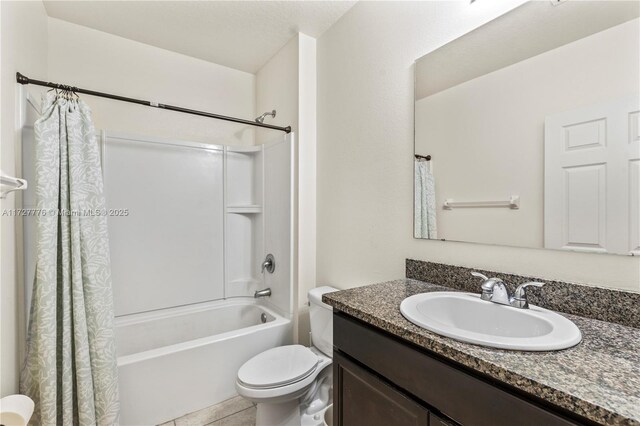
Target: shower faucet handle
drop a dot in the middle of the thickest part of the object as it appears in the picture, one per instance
(269, 264)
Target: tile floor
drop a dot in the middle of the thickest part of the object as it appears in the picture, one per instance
(236, 411)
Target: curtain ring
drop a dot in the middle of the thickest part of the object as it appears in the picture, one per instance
(57, 92)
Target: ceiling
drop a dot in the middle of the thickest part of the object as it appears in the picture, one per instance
(239, 34)
(531, 29)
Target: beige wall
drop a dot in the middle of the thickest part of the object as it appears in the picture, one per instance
(365, 153)
(486, 135)
(96, 60)
(23, 48)
(277, 88)
(287, 83)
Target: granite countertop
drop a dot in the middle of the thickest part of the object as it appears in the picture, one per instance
(598, 379)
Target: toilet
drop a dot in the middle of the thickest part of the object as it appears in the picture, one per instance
(291, 385)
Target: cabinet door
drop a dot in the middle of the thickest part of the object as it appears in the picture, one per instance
(435, 420)
(361, 398)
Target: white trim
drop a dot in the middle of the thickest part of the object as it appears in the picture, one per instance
(165, 141)
(225, 234)
(293, 224)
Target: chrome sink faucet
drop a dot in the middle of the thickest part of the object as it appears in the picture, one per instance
(494, 290)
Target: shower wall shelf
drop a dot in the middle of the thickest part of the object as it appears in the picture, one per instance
(513, 203)
(254, 208)
(245, 149)
(9, 184)
(245, 221)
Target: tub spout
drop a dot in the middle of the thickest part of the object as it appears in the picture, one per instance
(262, 293)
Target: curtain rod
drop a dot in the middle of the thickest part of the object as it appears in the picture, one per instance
(26, 80)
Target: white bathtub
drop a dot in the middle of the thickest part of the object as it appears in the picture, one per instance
(180, 360)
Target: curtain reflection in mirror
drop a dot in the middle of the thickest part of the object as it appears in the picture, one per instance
(425, 201)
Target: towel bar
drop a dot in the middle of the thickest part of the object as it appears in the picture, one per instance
(512, 203)
(9, 184)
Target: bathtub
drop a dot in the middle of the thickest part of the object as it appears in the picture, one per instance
(180, 360)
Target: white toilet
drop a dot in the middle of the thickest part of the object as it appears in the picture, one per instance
(291, 385)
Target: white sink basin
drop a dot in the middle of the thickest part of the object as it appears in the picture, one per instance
(466, 317)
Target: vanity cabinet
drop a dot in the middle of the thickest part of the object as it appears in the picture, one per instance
(381, 380)
(367, 400)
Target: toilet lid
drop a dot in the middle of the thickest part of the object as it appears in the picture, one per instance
(278, 366)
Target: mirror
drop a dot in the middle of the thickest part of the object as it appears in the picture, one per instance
(527, 130)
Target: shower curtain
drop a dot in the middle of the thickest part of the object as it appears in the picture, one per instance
(70, 369)
(425, 202)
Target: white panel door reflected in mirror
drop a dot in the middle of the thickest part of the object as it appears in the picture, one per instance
(527, 131)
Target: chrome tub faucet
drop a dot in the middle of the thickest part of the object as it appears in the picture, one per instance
(262, 293)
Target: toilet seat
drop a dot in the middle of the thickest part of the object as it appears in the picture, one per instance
(291, 385)
(289, 390)
(278, 367)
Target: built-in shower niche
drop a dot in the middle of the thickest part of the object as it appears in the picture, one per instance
(244, 219)
(244, 171)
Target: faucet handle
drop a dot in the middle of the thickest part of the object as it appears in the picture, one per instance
(520, 295)
(479, 275)
(521, 291)
(269, 264)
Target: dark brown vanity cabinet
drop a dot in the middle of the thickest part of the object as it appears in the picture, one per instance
(367, 400)
(379, 379)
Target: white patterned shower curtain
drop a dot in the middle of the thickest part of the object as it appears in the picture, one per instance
(424, 225)
(70, 369)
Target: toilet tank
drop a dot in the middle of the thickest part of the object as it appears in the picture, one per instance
(321, 319)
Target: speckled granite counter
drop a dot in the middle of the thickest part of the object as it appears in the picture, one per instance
(598, 379)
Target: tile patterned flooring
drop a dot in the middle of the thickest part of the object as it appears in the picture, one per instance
(236, 411)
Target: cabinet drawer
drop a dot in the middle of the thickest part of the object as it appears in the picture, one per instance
(459, 395)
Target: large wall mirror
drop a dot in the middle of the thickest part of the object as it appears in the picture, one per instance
(527, 130)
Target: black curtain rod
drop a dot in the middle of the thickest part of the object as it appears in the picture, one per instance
(26, 80)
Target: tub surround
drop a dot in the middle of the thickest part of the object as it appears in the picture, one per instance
(605, 304)
(598, 379)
